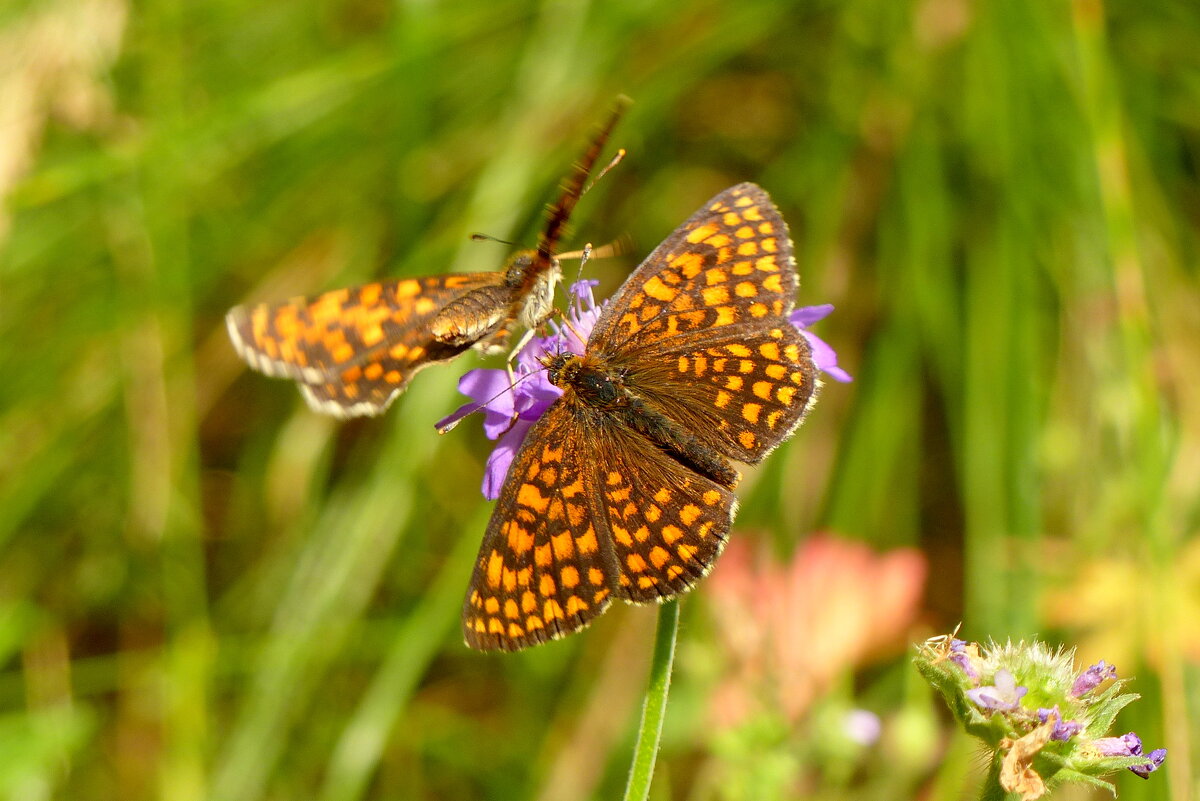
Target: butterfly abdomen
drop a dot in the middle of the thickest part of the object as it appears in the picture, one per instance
(472, 317)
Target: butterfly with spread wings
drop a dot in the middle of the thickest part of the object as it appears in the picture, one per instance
(623, 488)
(353, 351)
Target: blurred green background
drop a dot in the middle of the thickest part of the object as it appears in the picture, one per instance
(209, 592)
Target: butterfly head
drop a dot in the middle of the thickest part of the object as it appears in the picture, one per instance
(561, 368)
(533, 280)
(587, 377)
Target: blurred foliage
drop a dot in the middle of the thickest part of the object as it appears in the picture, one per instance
(208, 592)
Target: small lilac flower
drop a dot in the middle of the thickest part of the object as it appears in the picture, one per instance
(862, 726)
(1131, 745)
(1063, 729)
(823, 355)
(1091, 678)
(1125, 745)
(960, 657)
(1003, 696)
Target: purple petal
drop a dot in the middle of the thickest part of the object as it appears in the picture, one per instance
(1156, 759)
(1003, 696)
(960, 657)
(988, 698)
(493, 393)
(487, 389)
(501, 458)
(1063, 729)
(807, 315)
(535, 394)
(450, 421)
(1091, 678)
(484, 384)
(1125, 745)
(582, 290)
(529, 359)
(825, 357)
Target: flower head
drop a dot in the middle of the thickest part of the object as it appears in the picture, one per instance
(790, 630)
(511, 405)
(1059, 734)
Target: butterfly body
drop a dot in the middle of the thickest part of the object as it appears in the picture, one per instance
(522, 294)
(623, 487)
(353, 351)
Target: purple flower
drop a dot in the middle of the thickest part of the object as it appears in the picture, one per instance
(1131, 745)
(511, 407)
(1092, 677)
(823, 355)
(1063, 729)
(1156, 758)
(960, 657)
(1125, 745)
(862, 726)
(1003, 696)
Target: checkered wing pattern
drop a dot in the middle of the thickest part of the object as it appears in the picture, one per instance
(623, 488)
(354, 350)
(701, 327)
(667, 523)
(545, 568)
(589, 512)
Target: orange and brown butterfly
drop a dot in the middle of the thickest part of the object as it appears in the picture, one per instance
(353, 351)
(623, 488)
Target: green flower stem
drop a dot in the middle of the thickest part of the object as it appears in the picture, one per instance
(655, 708)
(991, 789)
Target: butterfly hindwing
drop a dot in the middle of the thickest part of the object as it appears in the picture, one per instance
(668, 523)
(545, 568)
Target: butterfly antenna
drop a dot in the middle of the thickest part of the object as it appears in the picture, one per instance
(573, 186)
(616, 159)
(478, 237)
(584, 255)
(620, 246)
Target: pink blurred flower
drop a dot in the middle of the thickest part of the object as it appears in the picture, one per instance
(792, 629)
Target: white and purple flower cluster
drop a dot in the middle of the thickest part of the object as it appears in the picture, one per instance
(511, 404)
(1046, 723)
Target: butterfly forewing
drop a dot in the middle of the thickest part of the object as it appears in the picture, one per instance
(701, 327)
(730, 266)
(353, 350)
